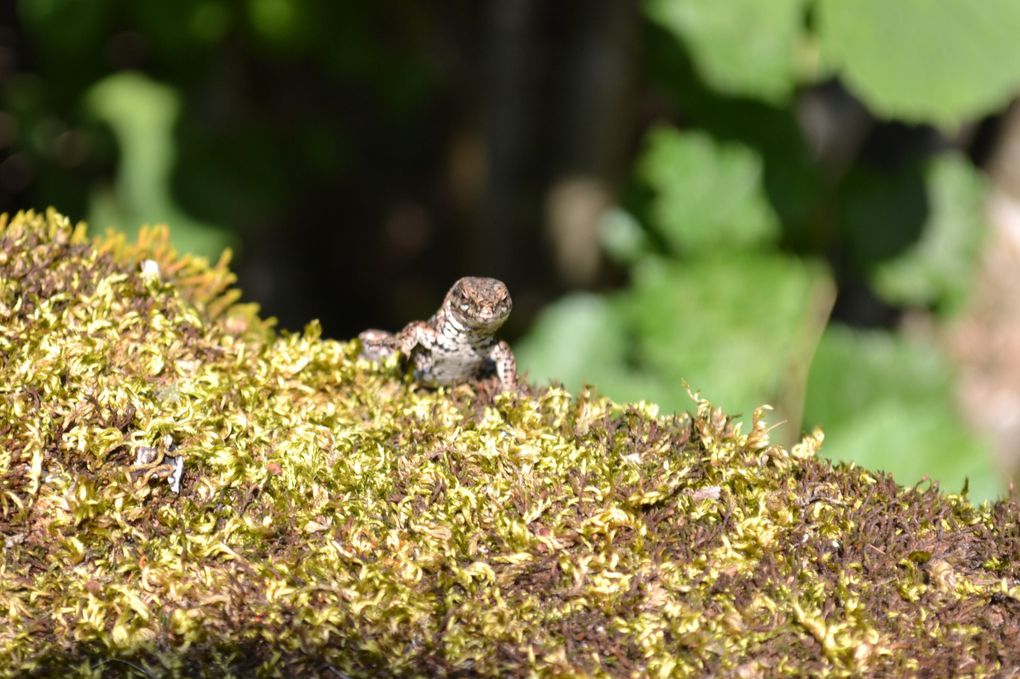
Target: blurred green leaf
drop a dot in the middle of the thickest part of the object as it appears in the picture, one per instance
(938, 268)
(574, 338)
(142, 113)
(581, 339)
(886, 403)
(916, 233)
(707, 195)
(918, 60)
(738, 328)
(622, 237)
(740, 47)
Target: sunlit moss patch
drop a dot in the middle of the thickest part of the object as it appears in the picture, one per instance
(185, 492)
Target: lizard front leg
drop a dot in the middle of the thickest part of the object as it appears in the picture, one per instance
(378, 344)
(506, 365)
(417, 342)
(416, 334)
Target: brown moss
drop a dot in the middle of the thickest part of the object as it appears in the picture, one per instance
(336, 520)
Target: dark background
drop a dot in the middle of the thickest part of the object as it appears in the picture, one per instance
(358, 156)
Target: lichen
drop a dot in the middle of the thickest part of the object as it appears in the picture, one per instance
(335, 519)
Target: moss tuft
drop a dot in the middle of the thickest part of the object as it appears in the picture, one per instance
(333, 519)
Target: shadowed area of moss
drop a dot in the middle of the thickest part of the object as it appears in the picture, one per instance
(334, 519)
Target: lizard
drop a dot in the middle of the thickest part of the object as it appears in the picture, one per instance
(458, 342)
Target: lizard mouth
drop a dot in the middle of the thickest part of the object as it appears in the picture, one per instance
(486, 321)
(482, 318)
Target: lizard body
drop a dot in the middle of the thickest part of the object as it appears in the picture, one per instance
(458, 342)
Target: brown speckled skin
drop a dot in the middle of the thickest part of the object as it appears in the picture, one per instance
(458, 343)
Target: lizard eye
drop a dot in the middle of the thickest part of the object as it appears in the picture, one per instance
(465, 307)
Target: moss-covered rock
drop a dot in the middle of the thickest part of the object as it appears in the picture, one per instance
(334, 519)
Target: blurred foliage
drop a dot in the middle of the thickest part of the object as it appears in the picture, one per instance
(903, 59)
(936, 269)
(142, 114)
(910, 62)
(740, 47)
(706, 195)
(730, 224)
(208, 114)
(877, 391)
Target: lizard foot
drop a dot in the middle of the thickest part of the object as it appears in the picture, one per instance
(377, 344)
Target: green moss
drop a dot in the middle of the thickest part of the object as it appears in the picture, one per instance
(334, 519)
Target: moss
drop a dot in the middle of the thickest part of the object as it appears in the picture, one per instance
(333, 519)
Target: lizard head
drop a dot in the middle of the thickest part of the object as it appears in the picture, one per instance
(479, 303)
